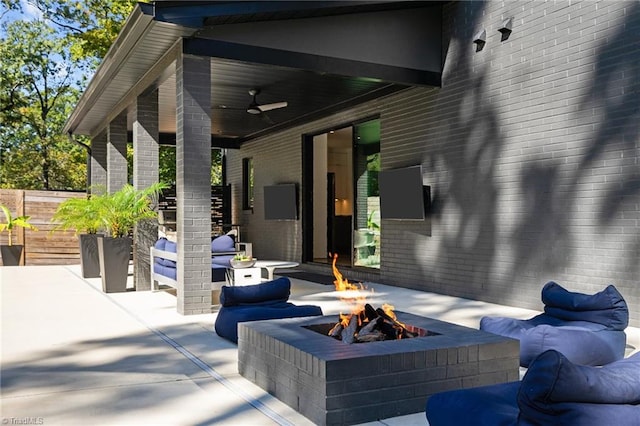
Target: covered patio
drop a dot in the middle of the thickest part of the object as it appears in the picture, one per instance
(530, 161)
(215, 75)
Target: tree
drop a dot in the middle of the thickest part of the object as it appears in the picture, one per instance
(37, 87)
(44, 70)
(167, 165)
(46, 63)
(90, 25)
(7, 7)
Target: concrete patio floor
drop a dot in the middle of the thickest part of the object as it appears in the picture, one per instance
(72, 354)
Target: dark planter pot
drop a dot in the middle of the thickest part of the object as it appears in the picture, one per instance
(89, 257)
(11, 255)
(114, 263)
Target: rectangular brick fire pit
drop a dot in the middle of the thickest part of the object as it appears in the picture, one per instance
(333, 383)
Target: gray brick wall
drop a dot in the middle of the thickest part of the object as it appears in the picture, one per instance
(193, 183)
(99, 161)
(145, 140)
(117, 153)
(531, 149)
(145, 173)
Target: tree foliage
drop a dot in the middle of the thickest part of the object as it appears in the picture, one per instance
(38, 87)
(90, 25)
(47, 58)
(167, 165)
(49, 50)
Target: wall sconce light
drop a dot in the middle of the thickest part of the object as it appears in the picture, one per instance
(480, 39)
(505, 28)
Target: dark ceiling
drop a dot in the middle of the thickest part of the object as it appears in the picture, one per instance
(320, 57)
(309, 95)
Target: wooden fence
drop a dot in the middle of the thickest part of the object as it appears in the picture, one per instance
(41, 247)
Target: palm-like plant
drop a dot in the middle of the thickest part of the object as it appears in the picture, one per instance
(12, 222)
(79, 214)
(121, 210)
(83, 216)
(371, 223)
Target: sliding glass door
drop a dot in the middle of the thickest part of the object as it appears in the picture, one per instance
(341, 214)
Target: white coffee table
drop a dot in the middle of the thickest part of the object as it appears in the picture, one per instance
(271, 265)
(243, 276)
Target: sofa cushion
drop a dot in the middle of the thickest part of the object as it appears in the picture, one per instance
(270, 292)
(165, 245)
(221, 261)
(223, 243)
(166, 271)
(606, 307)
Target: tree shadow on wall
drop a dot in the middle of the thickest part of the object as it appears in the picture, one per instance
(551, 191)
(543, 241)
(616, 89)
(472, 162)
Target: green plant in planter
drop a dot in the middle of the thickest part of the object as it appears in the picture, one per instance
(11, 222)
(82, 215)
(11, 254)
(119, 213)
(121, 210)
(371, 223)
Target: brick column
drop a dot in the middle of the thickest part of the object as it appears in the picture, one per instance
(145, 173)
(117, 153)
(193, 183)
(99, 162)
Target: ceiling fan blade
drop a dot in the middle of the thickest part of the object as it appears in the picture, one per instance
(227, 108)
(269, 107)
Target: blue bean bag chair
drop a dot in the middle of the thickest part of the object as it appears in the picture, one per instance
(587, 329)
(268, 300)
(554, 391)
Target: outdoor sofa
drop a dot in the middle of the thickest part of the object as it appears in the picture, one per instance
(164, 257)
(264, 301)
(554, 391)
(587, 329)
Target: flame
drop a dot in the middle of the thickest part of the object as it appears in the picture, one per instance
(388, 309)
(342, 284)
(358, 300)
(344, 319)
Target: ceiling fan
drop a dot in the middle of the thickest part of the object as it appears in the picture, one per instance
(255, 108)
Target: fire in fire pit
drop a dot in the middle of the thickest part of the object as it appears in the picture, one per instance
(365, 323)
(370, 325)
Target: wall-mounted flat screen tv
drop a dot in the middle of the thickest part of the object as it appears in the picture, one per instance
(281, 202)
(402, 194)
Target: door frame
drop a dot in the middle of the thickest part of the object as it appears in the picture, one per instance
(307, 182)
